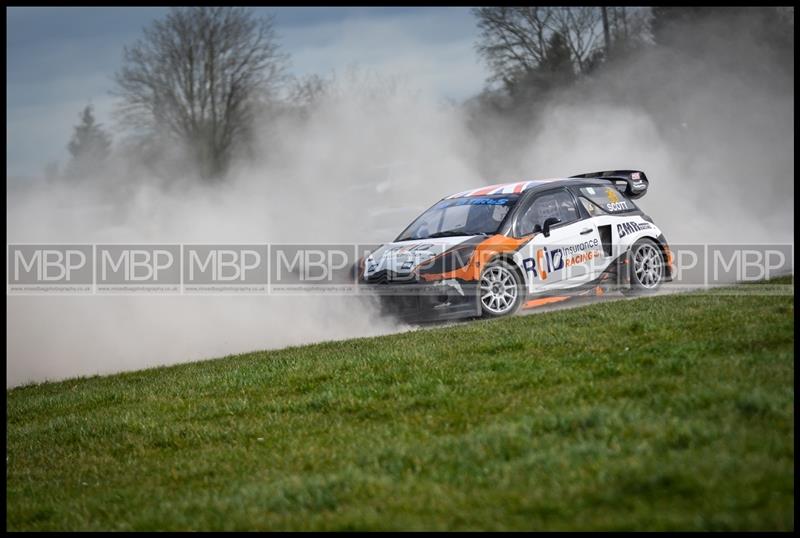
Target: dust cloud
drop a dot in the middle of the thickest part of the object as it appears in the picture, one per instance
(368, 147)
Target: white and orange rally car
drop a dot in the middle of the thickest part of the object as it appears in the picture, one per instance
(494, 250)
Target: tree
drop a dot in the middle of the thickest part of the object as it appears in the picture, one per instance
(532, 51)
(558, 59)
(580, 31)
(513, 40)
(89, 146)
(518, 40)
(630, 29)
(556, 70)
(306, 92)
(197, 76)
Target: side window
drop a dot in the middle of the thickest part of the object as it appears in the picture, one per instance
(558, 204)
(590, 208)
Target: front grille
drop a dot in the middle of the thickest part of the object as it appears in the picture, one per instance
(388, 277)
(379, 277)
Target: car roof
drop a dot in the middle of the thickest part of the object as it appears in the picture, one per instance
(518, 187)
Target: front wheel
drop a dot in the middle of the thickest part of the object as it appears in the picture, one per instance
(501, 290)
(647, 266)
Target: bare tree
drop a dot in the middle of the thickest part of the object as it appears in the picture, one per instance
(513, 40)
(606, 31)
(196, 75)
(581, 28)
(306, 91)
(629, 28)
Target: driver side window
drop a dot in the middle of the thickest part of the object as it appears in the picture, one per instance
(558, 204)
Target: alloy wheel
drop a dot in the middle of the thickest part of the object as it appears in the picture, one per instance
(499, 289)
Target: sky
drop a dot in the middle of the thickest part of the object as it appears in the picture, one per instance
(61, 59)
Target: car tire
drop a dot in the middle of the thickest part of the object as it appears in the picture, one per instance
(646, 268)
(500, 290)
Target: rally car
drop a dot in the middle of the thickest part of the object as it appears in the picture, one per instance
(493, 250)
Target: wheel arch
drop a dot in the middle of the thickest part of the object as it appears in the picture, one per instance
(508, 257)
(663, 246)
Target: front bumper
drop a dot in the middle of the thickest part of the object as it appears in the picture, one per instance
(415, 301)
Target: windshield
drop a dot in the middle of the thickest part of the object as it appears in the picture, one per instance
(473, 215)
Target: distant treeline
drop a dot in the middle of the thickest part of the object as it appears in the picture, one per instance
(202, 78)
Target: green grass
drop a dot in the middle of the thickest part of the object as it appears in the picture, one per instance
(674, 412)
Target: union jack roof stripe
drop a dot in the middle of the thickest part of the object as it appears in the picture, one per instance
(502, 188)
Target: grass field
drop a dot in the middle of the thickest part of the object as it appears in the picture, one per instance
(673, 412)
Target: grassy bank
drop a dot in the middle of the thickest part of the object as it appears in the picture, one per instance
(672, 412)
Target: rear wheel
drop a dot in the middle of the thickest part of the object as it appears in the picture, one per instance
(500, 290)
(647, 267)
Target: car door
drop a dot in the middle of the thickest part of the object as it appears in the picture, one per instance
(561, 255)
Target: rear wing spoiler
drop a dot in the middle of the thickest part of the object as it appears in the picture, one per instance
(632, 183)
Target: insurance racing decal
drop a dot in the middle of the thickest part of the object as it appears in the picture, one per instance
(549, 260)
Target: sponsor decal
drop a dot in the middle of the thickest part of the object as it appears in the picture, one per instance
(626, 228)
(474, 201)
(403, 249)
(614, 203)
(638, 183)
(582, 258)
(547, 261)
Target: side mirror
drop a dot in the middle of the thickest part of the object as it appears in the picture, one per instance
(550, 221)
